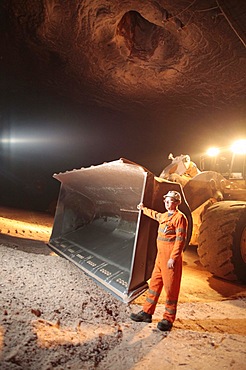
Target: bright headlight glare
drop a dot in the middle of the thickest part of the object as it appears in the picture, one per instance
(13, 141)
(239, 147)
(213, 152)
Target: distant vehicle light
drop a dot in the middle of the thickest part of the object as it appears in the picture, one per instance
(239, 147)
(213, 152)
(14, 140)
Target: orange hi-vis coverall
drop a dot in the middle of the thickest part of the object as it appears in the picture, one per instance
(170, 244)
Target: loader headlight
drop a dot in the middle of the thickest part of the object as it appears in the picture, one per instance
(213, 152)
(239, 147)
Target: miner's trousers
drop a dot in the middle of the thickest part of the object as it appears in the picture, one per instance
(161, 277)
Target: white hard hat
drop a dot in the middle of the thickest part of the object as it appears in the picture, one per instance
(173, 194)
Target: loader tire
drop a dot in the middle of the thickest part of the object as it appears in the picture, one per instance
(222, 240)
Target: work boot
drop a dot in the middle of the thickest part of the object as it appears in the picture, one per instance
(164, 325)
(141, 317)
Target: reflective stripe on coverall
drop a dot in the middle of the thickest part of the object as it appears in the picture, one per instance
(170, 244)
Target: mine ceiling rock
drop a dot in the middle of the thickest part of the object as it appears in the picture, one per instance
(115, 53)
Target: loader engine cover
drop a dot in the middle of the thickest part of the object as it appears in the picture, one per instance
(97, 225)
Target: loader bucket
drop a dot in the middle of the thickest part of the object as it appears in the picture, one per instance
(97, 225)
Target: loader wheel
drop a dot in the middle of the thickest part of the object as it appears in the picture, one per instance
(222, 240)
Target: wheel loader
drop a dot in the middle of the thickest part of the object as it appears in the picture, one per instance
(219, 218)
(98, 227)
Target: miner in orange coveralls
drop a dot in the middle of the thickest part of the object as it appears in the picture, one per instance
(167, 271)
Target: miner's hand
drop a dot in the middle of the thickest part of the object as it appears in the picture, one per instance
(170, 263)
(140, 206)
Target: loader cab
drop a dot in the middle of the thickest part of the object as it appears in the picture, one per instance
(229, 162)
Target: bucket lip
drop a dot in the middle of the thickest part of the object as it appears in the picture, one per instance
(126, 296)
